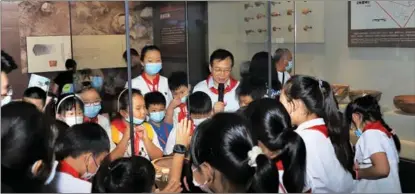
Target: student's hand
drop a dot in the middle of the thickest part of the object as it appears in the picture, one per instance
(142, 133)
(183, 135)
(126, 133)
(175, 102)
(172, 187)
(219, 107)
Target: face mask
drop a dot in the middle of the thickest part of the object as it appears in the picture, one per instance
(289, 66)
(52, 173)
(152, 68)
(97, 82)
(183, 99)
(6, 100)
(358, 132)
(197, 122)
(157, 116)
(136, 121)
(88, 175)
(203, 186)
(72, 120)
(92, 110)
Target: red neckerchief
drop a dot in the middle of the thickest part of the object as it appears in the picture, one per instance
(320, 128)
(154, 83)
(121, 127)
(228, 88)
(91, 120)
(183, 112)
(68, 169)
(377, 126)
(281, 167)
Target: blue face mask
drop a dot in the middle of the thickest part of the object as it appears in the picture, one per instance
(358, 132)
(289, 66)
(152, 68)
(92, 110)
(157, 116)
(97, 82)
(183, 99)
(136, 121)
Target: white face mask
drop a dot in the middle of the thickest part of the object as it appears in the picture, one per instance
(6, 100)
(72, 120)
(88, 175)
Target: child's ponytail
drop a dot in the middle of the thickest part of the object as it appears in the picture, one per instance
(266, 178)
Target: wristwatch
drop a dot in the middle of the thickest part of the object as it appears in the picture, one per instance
(179, 149)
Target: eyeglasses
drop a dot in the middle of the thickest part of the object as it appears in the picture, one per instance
(217, 70)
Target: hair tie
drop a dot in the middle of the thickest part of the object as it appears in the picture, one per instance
(253, 154)
(393, 132)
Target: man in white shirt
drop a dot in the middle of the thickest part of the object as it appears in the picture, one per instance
(220, 67)
(283, 64)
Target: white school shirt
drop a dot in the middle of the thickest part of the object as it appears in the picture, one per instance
(230, 98)
(281, 187)
(104, 122)
(371, 142)
(163, 87)
(142, 149)
(66, 183)
(283, 77)
(171, 141)
(324, 171)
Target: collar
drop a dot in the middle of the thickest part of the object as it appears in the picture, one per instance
(377, 125)
(310, 123)
(68, 169)
(211, 82)
(92, 120)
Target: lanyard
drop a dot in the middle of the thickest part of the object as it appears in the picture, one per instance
(166, 131)
(154, 84)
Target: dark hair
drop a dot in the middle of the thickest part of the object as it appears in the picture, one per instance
(26, 137)
(146, 49)
(133, 52)
(70, 63)
(50, 108)
(7, 63)
(199, 103)
(224, 142)
(125, 175)
(67, 102)
(177, 79)
(154, 98)
(251, 87)
(123, 101)
(82, 138)
(319, 99)
(36, 93)
(259, 71)
(221, 54)
(369, 108)
(271, 125)
(279, 53)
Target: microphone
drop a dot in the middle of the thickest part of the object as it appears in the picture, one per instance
(221, 92)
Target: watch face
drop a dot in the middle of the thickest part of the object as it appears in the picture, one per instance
(179, 149)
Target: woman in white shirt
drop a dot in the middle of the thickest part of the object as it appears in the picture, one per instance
(312, 107)
(377, 149)
(151, 80)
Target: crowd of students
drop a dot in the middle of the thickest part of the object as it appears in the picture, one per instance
(253, 135)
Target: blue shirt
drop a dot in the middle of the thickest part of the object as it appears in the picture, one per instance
(162, 132)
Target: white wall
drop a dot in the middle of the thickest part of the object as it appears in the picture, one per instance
(390, 70)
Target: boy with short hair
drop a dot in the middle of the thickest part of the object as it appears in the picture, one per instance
(200, 109)
(177, 109)
(36, 96)
(250, 90)
(156, 107)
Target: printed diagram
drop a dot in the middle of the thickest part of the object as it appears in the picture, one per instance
(382, 14)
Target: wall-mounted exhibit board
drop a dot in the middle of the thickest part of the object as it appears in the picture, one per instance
(309, 21)
(381, 24)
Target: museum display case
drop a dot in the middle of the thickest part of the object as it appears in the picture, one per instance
(360, 47)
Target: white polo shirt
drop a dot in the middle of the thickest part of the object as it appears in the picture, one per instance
(324, 171)
(230, 98)
(104, 122)
(162, 87)
(375, 141)
(65, 183)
